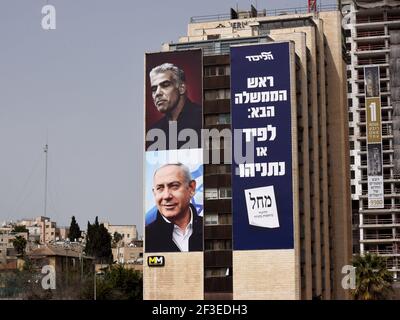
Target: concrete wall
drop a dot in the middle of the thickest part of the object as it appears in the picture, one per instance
(264, 275)
(180, 279)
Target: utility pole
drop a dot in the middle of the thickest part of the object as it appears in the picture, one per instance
(95, 282)
(46, 150)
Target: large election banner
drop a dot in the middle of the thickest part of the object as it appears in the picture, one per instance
(174, 158)
(374, 138)
(262, 187)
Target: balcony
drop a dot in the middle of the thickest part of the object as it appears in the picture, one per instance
(371, 49)
(386, 178)
(370, 34)
(369, 19)
(380, 223)
(386, 193)
(385, 252)
(362, 120)
(387, 208)
(372, 61)
(380, 237)
(384, 106)
(384, 148)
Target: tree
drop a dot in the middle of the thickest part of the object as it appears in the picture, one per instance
(98, 242)
(74, 230)
(18, 229)
(19, 244)
(117, 283)
(117, 237)
(373, 280)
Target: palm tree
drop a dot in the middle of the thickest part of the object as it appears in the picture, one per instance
(373, 279)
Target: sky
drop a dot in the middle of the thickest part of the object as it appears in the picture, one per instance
(80, 89)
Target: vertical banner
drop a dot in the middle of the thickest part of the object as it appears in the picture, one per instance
(174, 158)
(374, 138)
(262, 186)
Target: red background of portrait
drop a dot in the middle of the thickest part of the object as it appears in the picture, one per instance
(190, 62)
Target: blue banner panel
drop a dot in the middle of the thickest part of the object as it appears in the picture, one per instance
(262, 188)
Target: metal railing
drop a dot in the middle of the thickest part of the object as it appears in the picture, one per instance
(385, 177)
(385, 207)
(262, 13)
(372, 47)
(384, 147)
(382, 236)
(362, 62)
(379, 221)
(385, 191)
(383, 118)
(393, 18)
(387, 251)
(370, 19)
(385, 161)
(383, 105)
(362, 34)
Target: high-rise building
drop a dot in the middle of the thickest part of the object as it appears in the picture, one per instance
(320, 190)
(372, 31)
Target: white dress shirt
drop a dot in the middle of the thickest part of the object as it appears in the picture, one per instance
(181, 238)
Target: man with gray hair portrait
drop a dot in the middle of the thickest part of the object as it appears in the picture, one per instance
(170, 96)
(177, 226)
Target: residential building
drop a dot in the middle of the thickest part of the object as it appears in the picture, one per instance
(322, 214)
(128, 232)
(70, 264)
(372, 31)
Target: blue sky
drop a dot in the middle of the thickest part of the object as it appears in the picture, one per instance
(80, 89)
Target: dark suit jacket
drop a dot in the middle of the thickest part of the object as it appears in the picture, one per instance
(191, 117)
(158, 235)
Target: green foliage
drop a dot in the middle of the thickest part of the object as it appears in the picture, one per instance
(119, 283)
(74, 230)
(117, 237)
(20, 229)
(98, 242)
(19, 244)
(373, 280)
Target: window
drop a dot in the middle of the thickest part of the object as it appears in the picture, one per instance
(218, 219)
(353, 189)
(225, 193)
(212, 71)
(217, 169)
(224, 118)
(211, 193)
(351, 131)
(214, 119)
(353, 175)
(350, 116)
(349, 103)
(215, 193)
(217, 94)
(225, 218)
(351, 159)
(217, 143)
(211, 218)
(217, 272)
(218, 244)
(351, 145)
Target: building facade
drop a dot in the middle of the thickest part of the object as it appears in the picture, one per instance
(372, 31)
(322, 208)
(128, 232)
